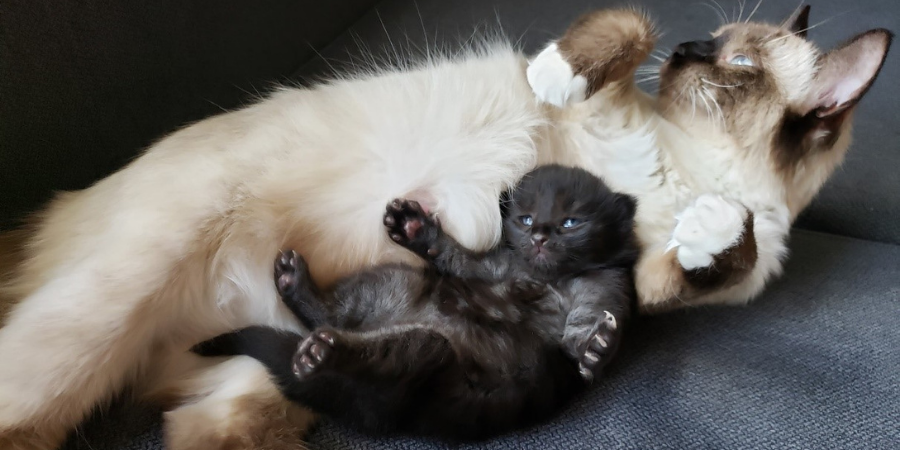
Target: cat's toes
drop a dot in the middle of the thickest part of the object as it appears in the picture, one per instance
(408, 223)
(553, 79)
(706, 229)
(313, 352)
(289, 270)
(599, 347)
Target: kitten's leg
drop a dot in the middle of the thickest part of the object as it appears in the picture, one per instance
(408, 225)
(598, 49)
(594, 327)
(386, 354)
(297, 290)
(366, 379)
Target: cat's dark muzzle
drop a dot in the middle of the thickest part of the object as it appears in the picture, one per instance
(694, 51)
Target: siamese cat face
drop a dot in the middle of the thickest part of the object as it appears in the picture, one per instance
(767, 88)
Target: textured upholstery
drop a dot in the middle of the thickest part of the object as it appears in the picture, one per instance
(812, 364)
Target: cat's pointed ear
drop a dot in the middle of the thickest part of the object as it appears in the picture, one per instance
(798, 22)
(847, 72)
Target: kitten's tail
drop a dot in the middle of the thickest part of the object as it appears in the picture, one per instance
(262, 343)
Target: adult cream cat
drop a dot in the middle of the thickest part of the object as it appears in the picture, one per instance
(122, 278)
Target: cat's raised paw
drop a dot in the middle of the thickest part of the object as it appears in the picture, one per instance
(706, 229)
(553, 80)
(313, 352)
(290, 271)
(410, 226)
(599, 347)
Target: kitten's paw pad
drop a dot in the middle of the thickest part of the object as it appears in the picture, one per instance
(290, 270)
(599, 347)
(410, 226)
(553, 79)
(706, 229)
(313, 352)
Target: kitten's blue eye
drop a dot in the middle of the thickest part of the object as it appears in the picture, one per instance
(526, 220)
(569, 223)
(740, 60)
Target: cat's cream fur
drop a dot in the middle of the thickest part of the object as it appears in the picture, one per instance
(123, 277)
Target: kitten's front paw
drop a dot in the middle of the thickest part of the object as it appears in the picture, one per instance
(290, 271)
(313, 352)
(553, 80)
(410, 226)
(599, 347)
(706, 229)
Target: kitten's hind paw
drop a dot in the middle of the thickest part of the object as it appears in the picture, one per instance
(410, 226)
(313, 352)
(290, 272)
(599, 348)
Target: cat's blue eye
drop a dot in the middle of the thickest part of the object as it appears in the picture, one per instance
(526, 220)
(740, 60)
(569, 223)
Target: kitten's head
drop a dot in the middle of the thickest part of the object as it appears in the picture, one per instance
(771, 91)
(564, 219)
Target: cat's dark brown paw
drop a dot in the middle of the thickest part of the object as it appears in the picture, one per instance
(313, 352)
(410, 226)
(290, 271)
(599, 347)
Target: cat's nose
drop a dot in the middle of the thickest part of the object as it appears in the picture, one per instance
(695, 51)
(538, 239)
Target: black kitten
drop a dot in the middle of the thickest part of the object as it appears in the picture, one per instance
(476, 344)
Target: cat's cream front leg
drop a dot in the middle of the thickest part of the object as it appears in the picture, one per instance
(599, 48)
(719, 252)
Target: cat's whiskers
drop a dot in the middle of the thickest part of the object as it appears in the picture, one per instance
(726, 86)
(741, 3)
(702, 96)
(712, 99)
(753, 12)
(693, 103)
(720, 13)
(807, 28)
(647, 79)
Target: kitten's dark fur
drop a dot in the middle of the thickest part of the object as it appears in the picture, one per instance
(476, 344)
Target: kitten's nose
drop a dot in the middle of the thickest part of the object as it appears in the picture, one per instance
(695, 51)
(538, 239)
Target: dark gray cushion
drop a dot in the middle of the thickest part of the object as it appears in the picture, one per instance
(861, 199)
(812, 364)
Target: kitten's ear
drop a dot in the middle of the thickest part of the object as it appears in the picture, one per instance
(798, 22)
(505, 201)
(846, 73)
(627, 206)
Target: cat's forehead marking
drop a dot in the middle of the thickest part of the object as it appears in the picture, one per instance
(789, 59)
